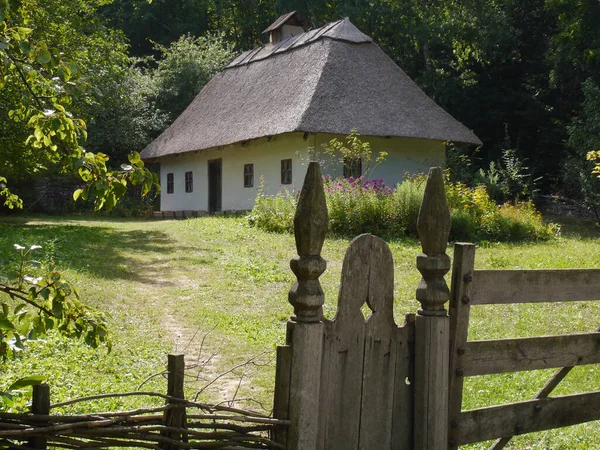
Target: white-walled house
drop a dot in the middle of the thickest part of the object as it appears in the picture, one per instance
(259, 117)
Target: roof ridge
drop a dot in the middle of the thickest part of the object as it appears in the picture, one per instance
(349, 34)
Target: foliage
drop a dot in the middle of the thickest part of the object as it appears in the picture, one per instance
(16, 388)
(37, 298)
(508, 179)
(369, 206)
(351, 153)
(584, 140)
(44, 62)
(475, 216)
(273, 213)
(359, 206)
(184, 67)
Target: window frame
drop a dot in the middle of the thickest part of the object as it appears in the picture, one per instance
(170, 183)
(286, 171)
(351, 167)
(249, 175)
(189, 181)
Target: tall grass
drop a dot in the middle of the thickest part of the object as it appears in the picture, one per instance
(369, 206)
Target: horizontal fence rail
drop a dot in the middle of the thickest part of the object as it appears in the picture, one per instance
(515, 355)
(526, 417)
(534, 286)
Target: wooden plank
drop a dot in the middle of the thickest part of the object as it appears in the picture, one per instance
(281, 400)
(527, 417)
(402, 415)
(305, 383)
(343, 354)
(534, 286)
(462, 271)
(175, 417)
(514, 355)
(380, 350)
(431, 381)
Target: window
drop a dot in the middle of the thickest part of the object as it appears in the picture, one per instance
(352, 167)
(286, 171)
(248, 175)
(189, 182)
(170, 183)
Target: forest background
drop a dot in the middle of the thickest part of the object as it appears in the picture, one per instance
(523, 74)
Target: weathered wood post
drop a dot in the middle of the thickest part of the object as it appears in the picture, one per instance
(432, 322)
(305, 328)
(176, 416)
(40, 404)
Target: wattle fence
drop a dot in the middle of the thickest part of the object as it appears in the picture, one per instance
(179, 424)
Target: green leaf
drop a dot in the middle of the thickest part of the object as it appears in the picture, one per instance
(32, 380)
(134, 158)
(77, 194)
(43, 57)
(6, 324)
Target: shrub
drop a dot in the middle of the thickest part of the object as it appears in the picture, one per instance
(273, 213)
(369, 206)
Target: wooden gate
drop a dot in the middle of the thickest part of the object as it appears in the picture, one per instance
(356, 383)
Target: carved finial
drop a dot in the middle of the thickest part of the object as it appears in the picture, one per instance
(434, 227)
(310, 226)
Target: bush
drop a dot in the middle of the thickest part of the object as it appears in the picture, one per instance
(369, 206)
(274, 213)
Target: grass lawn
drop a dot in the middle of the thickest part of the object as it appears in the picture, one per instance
(217, 290)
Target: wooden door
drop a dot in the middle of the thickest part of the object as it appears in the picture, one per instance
(214, 184)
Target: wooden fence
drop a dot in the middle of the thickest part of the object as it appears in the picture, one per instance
(471, 358)
(356, 383)
(179, 424)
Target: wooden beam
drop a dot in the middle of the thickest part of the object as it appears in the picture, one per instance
(535, 286)
(527, 417)
(514, 355)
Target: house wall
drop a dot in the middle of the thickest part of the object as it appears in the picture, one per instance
(266, 155)
(404, 156)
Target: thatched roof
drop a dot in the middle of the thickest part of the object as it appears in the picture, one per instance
(326, 80)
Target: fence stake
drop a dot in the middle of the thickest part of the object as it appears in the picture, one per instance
(40, 404)
(175, 417)
(306, 326)
(432, 323)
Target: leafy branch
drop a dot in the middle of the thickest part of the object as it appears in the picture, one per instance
(38, 299)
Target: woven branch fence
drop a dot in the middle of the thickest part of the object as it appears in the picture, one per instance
(179, 424)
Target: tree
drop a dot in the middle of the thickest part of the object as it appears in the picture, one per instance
(45, 49)
(582, 168)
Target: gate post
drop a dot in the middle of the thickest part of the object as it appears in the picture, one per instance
(305, 328)
(432, 322)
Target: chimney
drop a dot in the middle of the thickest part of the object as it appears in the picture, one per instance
(284, 27)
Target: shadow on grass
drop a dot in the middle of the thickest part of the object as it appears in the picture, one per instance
(102, 251)
(575, 227)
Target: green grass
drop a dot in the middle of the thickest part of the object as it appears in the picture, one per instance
(163, 281)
